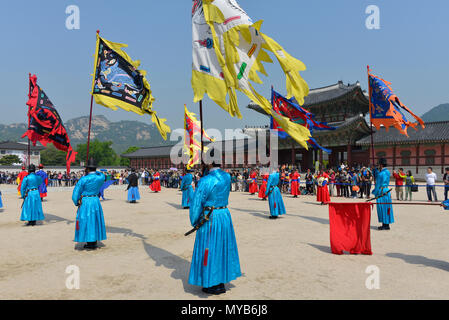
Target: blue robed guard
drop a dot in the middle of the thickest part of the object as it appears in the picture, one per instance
(215, 259)
(1, 203)
(32, 203)
(90, 226)
(133, 187)
(187, 189)
(273, 193)
(381, 192)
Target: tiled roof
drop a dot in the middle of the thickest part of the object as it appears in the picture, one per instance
(434, 132)
(10, 145)
(164, 151)
(161, 151)
(329, 93)
(320, 95)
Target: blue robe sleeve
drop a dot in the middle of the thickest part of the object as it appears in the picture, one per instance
(183, 182)
(199, 199)
(23, 187)
(77, 191)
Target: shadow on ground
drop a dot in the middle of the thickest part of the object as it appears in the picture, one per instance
(262, 214)
(421, 260)
(324, 249)
(51, 218)
(180, 266)
(126, 232)
(175, 205)
(314, 219)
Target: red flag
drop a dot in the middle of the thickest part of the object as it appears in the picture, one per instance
(45, 124)
(350, 227)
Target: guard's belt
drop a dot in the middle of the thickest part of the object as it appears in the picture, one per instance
(33, 189)
(218, 208)
(90, 196)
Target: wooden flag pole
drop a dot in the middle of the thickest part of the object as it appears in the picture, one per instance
(370, 121)
(90, 120)
(201, 120)
(29, 109)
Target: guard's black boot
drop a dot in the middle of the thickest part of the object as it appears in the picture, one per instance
(273, 217)
(381, 227)
(220, 289)
(29, 223)
(387, 227)
(91, 245)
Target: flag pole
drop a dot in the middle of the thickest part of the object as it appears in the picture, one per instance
(201, 120)
(370, 121)
(90, 120)
(29, 109)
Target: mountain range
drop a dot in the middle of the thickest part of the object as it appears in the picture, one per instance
(124, 134)
(439, 113)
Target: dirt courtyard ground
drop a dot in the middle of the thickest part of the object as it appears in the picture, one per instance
(147, 256)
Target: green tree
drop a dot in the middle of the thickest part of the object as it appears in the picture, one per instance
(125, 161)
(53, 157)
(9, 160)
(102, 152)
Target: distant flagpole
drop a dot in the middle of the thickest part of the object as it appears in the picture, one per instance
(370, 120)
(90, 119)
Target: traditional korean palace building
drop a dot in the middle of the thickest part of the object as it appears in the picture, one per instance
(342, 106)
(345, 106)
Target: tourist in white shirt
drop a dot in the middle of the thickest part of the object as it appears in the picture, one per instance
(431, 178)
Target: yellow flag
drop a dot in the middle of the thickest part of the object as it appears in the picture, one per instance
(228, 52)
(117, 82)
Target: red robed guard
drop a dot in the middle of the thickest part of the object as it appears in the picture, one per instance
(294, 179)
(322, 194)
(156, 184)
(20, 178)
(253, 185)
(263, 186)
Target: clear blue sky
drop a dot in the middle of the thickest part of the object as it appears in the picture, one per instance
(330, 37)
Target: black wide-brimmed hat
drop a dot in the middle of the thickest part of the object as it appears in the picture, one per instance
(31, 168)
(91, 164)
(382, 162)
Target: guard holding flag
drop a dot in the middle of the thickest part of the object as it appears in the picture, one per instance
(382, 193)
(215, 259)
(90, 226)
(32, 204)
